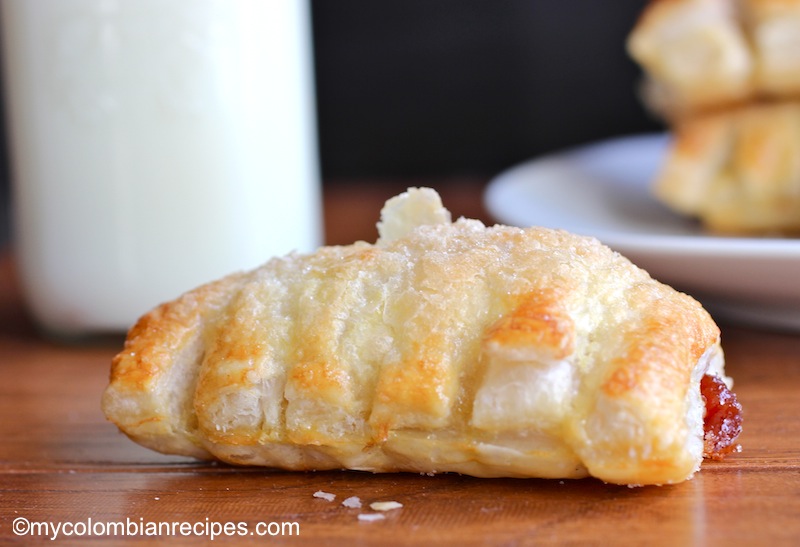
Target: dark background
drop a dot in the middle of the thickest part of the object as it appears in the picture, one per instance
(439, 88)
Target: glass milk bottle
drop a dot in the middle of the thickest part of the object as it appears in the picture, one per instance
(155, 145)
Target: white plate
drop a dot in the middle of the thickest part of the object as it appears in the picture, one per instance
(602, 190)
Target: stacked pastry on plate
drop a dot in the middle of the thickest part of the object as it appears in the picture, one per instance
(725, 74)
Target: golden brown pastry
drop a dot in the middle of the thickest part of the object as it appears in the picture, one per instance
(444, 347)
(694, 53)
(700, 55)
(737, 171)
(774, 31)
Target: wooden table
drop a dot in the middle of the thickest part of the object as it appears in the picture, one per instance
(62, 463)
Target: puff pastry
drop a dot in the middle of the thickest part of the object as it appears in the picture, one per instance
(737, 171)
(708, 54)
(443, 347)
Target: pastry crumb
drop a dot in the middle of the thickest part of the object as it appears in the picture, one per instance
(354, 502)
(324, 495)
(385, 505)
(370, 517)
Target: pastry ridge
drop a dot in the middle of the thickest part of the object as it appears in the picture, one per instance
(445, 346)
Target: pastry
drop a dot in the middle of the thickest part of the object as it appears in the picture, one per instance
(737, 171)
(775, 35)
(701, 55)
(725, 75)
(694, 54)
(443, 347)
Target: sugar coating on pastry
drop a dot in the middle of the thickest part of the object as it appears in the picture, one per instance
(444, 347)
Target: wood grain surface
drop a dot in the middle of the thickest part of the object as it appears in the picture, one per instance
(62, 463)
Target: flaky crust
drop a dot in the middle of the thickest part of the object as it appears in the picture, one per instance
(443, 347)
(737, 171)
(702, 55)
